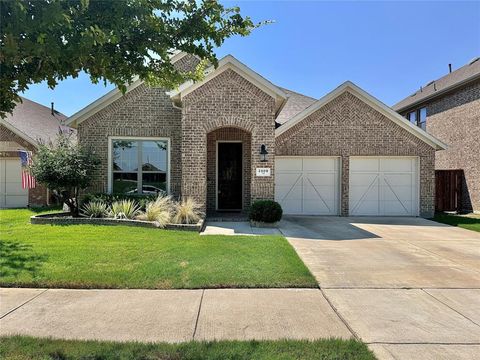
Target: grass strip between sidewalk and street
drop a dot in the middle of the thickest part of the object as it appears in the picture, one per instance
(22, 348)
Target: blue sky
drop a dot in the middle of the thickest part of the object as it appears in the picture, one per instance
(388, 48)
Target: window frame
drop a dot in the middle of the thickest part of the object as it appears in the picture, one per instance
(417, 113)
(136, 138)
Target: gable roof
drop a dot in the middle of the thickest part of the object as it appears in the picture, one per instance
(101, 103)
(295, 103)
(34, 122)
(231, 63)
(390, 114)
(228, 62)
(453, 80)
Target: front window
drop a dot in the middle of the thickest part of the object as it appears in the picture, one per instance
(139, 166)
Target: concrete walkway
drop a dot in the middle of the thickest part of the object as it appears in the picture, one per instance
(236, 228)
(169, 315)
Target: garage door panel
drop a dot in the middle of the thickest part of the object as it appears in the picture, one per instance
(328, 180)
(288, 164)
(396, 165)
(15, 189)
(307, 185)
(11, 192)
(288, 192)
(362, 179)
(15, 201)
(399, 179)
(315, 207)
(292, 207)
(314, 192)
(367, 192)
(365, 165)
(317, 164)
(393, 192)
(287, 179)
(398, 193)
(366, 207)
(13, 170)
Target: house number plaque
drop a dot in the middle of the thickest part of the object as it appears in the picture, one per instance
(263, 171)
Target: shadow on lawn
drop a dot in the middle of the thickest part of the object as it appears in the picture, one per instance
(17, 258)
(456, 220)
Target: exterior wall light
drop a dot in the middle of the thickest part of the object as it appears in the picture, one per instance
(263, 153)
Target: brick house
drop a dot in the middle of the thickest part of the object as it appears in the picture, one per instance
(28, 125)
(449, 109)
(235, 137)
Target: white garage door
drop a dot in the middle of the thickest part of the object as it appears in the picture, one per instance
(11, 192)
(307, 185)
(384, 186)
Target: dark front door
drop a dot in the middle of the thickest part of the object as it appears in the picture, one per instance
(229, 179)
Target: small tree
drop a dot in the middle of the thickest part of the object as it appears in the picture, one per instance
(65, 167)
(114, 41)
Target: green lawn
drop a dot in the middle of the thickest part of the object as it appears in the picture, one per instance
(470, 223)
(89, 256)
(22, 348)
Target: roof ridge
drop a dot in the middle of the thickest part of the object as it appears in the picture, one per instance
(296, 92)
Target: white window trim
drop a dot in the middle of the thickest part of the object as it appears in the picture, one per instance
(138, 138)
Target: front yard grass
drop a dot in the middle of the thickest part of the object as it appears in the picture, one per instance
(90, 256)
(23, 348)
(466, 222)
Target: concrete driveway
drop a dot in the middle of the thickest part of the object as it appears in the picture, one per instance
(409, 287)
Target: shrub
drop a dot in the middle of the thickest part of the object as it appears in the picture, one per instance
(95, 209)
(187, 211)
(65, 167)
(124, 209)
(268, 211)
(155, 212)
(109, 199)
(165, 203)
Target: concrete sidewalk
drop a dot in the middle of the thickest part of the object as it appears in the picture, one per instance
(169, 315)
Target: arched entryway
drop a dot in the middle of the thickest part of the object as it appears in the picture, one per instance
(228, 170)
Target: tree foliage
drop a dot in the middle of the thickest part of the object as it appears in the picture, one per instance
(49, 40)
(65, 167)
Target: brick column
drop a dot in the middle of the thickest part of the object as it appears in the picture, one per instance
(344, 189)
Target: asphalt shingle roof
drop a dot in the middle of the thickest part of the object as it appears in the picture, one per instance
(464, 74)
(295, 104)
(36, 121)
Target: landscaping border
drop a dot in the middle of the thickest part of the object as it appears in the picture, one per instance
(64, 218)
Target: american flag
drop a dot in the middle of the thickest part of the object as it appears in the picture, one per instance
(28, 181)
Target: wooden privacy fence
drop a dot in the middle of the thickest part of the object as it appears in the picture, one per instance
(448, 190)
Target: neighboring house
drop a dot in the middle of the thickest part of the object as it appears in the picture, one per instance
(345, 154)
(28, 125)
(449, 109)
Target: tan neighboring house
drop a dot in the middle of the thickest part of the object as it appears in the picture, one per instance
(449, 109)
(28, 125)
(236, 137)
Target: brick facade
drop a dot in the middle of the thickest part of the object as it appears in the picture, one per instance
(346, 127)
(37, 196)
(228, 100)
(229, 107)
(455, 119)
(143, 112)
